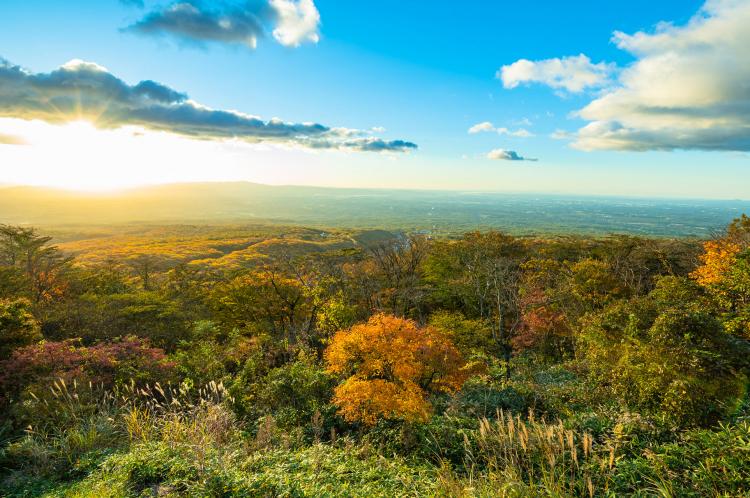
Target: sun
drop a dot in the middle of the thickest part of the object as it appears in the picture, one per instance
(77, 155)
(73, 155)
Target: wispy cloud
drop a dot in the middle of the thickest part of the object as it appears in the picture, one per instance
(82, 90)
(487, 126)
(561, 135)
(291, 22)
(364, 144)
(482, 127)
(6, 139)
(573, 74)
(507, 155)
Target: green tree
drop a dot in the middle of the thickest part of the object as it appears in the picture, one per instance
(267, 301)
(665, 356)
(18, 327)
(470, 335)
(29, 253)
(481, 275)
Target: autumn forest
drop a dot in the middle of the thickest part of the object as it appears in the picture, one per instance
(282, 361)
(387, 249)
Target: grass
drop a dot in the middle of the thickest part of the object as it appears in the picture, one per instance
(177, 441)
(549, 458)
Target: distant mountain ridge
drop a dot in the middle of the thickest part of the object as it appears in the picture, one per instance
(411, 210)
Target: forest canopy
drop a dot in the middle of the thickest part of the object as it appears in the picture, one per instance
(401, 364)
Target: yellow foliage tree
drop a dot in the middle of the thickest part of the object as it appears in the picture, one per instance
(391, 365)
(725, 274)
(718, 258)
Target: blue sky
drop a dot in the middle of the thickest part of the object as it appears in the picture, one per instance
(424, 71)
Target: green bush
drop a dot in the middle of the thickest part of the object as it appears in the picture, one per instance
(675, 362)
(699, 463)
(296, 394)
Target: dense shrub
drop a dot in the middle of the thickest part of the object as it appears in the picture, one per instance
(35, 380)
(296, 394)
(675, 361)
(699, 463)
(531, 367)
(210, 354)
(107, 364)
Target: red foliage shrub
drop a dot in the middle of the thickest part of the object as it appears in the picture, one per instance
(105, 364)
(542, 324)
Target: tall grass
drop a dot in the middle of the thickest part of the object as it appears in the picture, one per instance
(75, 426)
(178, 441)
(546, 458)
(186, 441)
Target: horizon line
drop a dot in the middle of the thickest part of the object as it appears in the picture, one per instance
(107, 192)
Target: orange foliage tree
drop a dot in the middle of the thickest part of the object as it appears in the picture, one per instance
(391, 365)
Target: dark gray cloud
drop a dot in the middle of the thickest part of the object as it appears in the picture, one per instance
(360, 144)
(194, 22)
(85, 91)
(507, 155)
(379, 145)
(290, 21)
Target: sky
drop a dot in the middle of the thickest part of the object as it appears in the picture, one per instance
(636, 98)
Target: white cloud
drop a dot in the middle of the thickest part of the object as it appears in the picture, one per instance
(573, 74)
(507, 155)
(480, 127)
(487, 126)
(688, 89)
(298, 22)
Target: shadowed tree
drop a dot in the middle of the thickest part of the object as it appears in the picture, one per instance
(41, 264)
(17, 326)
(398, 264)
(481, 272)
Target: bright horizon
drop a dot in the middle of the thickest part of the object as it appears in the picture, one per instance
(642, 100)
